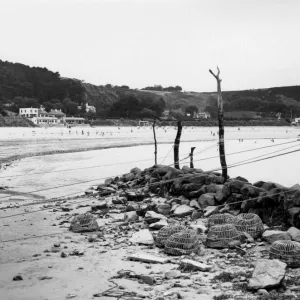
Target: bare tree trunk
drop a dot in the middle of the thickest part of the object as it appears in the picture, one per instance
(155, 143)
(221, 125)
(176, 145)
(192, 157)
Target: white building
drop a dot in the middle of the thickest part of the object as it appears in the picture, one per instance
(90, 108)
(29, 112)
(202, 115)
(143, 123)
(73, 120)
(45, 120)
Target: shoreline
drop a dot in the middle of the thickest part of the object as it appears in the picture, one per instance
(12, 158)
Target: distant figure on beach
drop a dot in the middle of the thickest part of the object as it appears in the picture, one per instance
(82, 132)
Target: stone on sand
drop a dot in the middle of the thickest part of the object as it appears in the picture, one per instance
(275, 235)
(267, 274)
(143, 236)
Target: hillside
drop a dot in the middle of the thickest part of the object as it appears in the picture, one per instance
(23, 86)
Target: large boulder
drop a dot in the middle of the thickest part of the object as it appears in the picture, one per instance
(191, 187)
(268, 186)
(240, 178)
(183, 210)
(143, 236)
(130, 216)
(128, 177)
(296, 198)
(214, 179)
(236, 186)
(197, 178)
(235, 200)
(267, 274)
(207, 199)
(172, 173)
(294, 233)
(187, 170)
(275, 235)
(293, 216)
(135, 171)
(226, 190)
(196, 194)
(153, 217)
(164, 209)
(251, 191)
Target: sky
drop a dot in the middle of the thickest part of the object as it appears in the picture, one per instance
(139, 43)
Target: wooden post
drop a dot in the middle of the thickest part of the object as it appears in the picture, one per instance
(176, 145)
(155, 143)
(192, 157)
(221, 125)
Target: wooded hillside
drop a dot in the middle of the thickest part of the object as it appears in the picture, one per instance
(24, 86)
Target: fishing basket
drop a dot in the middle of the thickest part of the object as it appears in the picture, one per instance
(182, 243)
(166, 232)
(286, 251)
(222, 236)
(84, 223)
(250, 223)
(218, 219)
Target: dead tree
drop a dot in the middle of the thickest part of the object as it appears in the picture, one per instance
(221, 125)
(176, 145)
(192, 157)
(155, 143)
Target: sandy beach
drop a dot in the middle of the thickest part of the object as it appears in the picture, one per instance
(39, 177)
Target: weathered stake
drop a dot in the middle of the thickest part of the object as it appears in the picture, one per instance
(221, 125)
(192, 157)
(155, 143)
(176, 145)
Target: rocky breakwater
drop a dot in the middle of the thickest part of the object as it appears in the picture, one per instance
(221, 239)
(190, 191)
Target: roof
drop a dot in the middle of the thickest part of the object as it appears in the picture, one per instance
(74, 119)
(56, 112)
(45, 118)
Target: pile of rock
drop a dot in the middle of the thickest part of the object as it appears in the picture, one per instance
(194, 190)
(178, 203)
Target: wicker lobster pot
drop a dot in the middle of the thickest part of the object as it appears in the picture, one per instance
(219, 219)
(222, 236)
(286, 251)
(250, 223)
(166, 232)
(84, 223)
(182, 243)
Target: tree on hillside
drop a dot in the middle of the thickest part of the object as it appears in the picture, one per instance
(72, 108)
(48, 106)
(191, 109)
(147, 113)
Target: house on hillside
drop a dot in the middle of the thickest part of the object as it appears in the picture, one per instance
(56, 113)
(166, 113)
(29, 112)
(88, 108)
(73, 120)
(40, 117)
(143, 123)
(202, 115)
(45, 120)
(296, 121)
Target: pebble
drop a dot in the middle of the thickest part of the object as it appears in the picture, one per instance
(17, 278)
